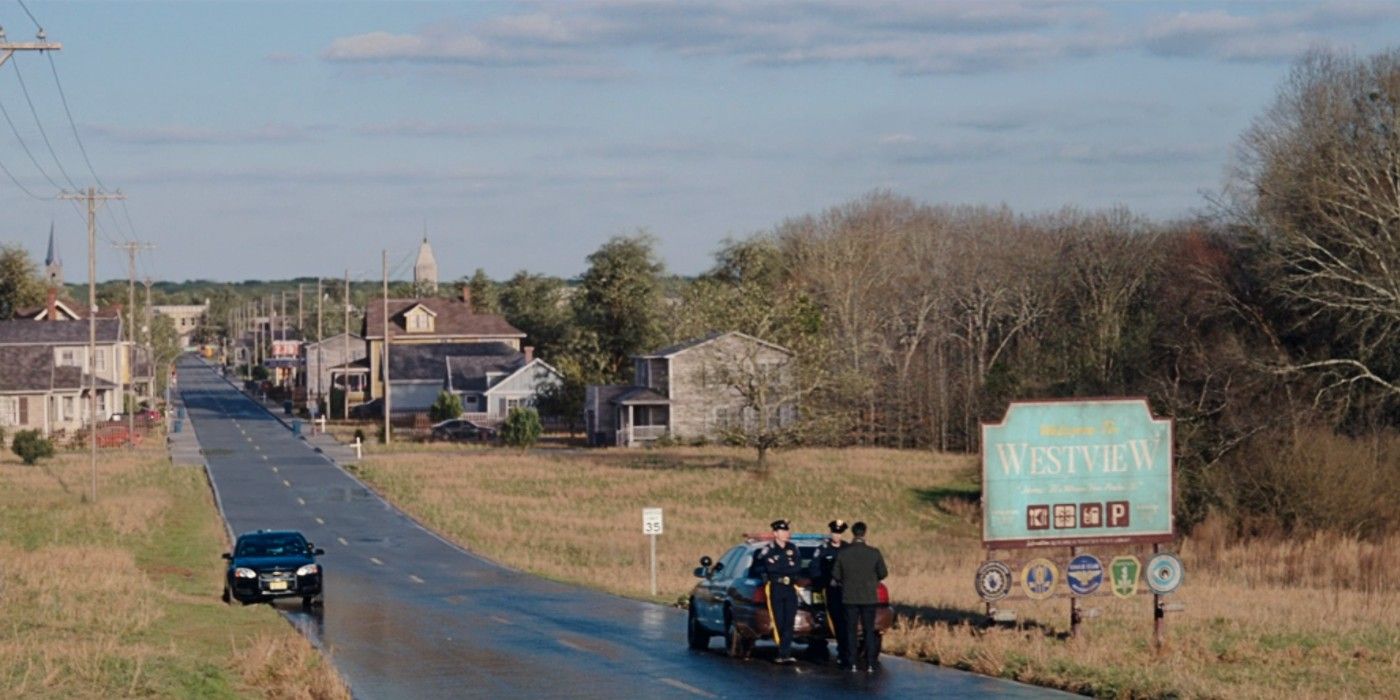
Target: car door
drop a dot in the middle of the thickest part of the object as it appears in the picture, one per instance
(716, 589)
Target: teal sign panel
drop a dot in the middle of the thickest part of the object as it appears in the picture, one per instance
(1062, 473)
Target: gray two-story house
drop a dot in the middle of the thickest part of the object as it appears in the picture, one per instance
(698, 389)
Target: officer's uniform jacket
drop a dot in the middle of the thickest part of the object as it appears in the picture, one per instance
(780, 563)
(822, 563)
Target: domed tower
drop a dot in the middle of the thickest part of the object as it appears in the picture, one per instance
(425, 271)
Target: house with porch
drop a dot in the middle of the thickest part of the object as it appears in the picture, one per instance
(325, 366)
(43, 380)
(691, 390)
(427, 321)
(489, 378)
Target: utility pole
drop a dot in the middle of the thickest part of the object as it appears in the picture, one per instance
(131, 249)
(92, 198)
(301, 322)
(345, 376)
(384, 263)
(8, 49)
(320, 343)
(283, 312)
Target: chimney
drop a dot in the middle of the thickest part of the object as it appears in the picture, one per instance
(467, 297)
(52, 304)
(529, 351)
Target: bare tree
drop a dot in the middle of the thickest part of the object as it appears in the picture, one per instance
(1319, 180)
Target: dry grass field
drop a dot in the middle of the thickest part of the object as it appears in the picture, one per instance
(120, 598)
(1310, 618)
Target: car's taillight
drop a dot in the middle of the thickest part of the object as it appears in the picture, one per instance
(760, 595)
(882, 594)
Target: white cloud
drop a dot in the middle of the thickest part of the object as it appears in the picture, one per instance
(183, 134)
(1272, 35)
(912, 37)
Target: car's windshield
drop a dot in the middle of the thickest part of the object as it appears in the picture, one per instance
(271, 545)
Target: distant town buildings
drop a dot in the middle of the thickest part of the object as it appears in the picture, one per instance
(188, 318)
(425, 271)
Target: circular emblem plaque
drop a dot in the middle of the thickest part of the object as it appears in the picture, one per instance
(1084, 575)
(993, 580)
(1164, 574)
(1038, 579)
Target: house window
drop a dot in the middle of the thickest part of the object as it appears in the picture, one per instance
(68, 413)
(722, 417)
(101, 359)
(67, 357)
(9, 411)
(419, 322)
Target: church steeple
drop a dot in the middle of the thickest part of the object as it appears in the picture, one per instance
(425, 271)
(53, 265)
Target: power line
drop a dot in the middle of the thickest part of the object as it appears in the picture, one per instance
(63, 97)
(19, 184)
(31, 15)
(40, 124)
(22, 144)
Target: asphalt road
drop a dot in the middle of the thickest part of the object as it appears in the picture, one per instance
(408, 615)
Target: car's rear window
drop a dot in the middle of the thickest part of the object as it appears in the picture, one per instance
(270, 546)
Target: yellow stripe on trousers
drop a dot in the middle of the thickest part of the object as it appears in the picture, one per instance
(826, 596)
(773, 619)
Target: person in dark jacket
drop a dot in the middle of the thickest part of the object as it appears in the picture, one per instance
(859, 569)
(781, 563)
(820, 573)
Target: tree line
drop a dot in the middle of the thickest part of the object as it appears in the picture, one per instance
(1267, 328)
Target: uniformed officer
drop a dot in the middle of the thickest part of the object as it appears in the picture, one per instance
(781, 564)
(820, 571)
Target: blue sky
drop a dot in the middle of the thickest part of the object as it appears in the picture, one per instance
(265, 140)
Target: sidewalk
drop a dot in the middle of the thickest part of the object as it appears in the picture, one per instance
(184, 445)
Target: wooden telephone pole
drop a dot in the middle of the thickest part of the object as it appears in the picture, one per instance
(8, 49)
(93, 198)
(384, 263)
(131, 249)
(345, 376)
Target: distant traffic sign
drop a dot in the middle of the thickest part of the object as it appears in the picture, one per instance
(993, 581)
(651, 521)
(1164, 573)
(1038, 579)
(1084, 575)
(1123, 574)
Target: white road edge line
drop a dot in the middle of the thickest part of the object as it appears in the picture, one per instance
(342, 541)
(415, 579)
(301, 501)
(571, 645)
(376, 561)
(286, 483)
(320, 521)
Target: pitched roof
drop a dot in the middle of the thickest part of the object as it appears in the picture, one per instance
(678, 348)
(27, 369)
(640, 395)
(454, 320)
(430, 361)
(29, 332)
(30, 369)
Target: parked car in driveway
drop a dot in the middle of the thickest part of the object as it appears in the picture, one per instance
(368, 410)
(270, 564)
(728, 602)
(461, 430)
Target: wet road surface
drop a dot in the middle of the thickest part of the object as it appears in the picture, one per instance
(408, 615)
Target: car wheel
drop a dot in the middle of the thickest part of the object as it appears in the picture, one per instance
(696, 635)
(309, 602)
(226, 597)
(734, 641)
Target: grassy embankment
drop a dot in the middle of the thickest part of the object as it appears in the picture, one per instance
(1311, 618)
(121, 598)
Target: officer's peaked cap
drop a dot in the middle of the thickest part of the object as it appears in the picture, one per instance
(837, 526)
(780, 525)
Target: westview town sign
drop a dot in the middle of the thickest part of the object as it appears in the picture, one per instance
(1067, 473)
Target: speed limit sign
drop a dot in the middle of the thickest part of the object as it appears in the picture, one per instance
(651, 521)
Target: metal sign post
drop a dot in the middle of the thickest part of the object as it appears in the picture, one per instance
(651, 527)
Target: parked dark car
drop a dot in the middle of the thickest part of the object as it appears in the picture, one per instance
(461, 430)
(368, 410)
(728, 602)
(270, 564)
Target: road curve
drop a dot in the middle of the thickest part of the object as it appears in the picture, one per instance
(408, 615)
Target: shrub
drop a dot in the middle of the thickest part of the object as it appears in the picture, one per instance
(447, 406)
(359, 435)
(522, 428)
(31, 447)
